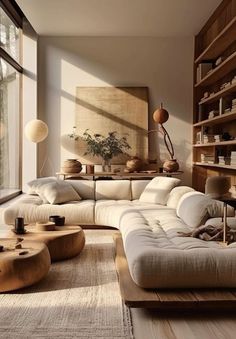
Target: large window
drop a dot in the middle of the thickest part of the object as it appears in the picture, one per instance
(9, 126)
(10, 77)
(9, 35)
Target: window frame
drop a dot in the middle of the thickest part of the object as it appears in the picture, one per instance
(14, 12)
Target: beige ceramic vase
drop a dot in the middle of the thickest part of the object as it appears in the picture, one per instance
(134, 164)
(171, 165)
(71, 166)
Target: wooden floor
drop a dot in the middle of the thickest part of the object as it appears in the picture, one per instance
(154, 324)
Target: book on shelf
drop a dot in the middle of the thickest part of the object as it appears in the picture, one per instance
(207, 158)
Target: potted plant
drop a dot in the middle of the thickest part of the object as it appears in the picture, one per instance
(105, 147)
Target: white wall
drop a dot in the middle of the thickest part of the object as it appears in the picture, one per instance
(164, 65)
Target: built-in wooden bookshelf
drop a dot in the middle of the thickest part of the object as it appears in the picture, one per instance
(214, 103)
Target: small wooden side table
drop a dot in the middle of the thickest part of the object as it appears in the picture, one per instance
(230, 200)
(63, 243)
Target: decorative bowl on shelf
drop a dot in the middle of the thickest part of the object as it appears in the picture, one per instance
(71, 166)
(134, 164)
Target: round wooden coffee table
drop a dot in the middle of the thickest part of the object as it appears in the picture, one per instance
(25, 269)
(63, 243)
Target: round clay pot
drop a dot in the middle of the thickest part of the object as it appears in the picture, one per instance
(71, 166)
(171, 165)
(134, 164)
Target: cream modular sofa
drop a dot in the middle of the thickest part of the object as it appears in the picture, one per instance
(149, 215)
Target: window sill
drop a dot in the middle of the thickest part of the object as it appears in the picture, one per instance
(8, 194)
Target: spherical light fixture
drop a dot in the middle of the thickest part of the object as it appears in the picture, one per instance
(36, 130)
(160, 115)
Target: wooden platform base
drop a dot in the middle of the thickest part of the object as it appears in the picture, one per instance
(135, 296)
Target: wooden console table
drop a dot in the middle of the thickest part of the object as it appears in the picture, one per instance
(119, 175)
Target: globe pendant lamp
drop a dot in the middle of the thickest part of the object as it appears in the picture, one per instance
(160, 116)
(36, 130)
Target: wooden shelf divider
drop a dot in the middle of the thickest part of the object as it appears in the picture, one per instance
(220, 43)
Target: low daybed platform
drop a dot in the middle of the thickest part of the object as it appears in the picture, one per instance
(135, 296)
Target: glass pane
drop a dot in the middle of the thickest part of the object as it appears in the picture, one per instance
(9, 35)
(9, 126)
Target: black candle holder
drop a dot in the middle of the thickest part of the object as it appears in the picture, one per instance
(19, 225)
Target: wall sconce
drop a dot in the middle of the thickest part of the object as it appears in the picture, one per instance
(160, 116)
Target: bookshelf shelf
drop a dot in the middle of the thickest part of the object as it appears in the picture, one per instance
(220, 43)
(224, 92)
(228, 167)
(217, 120)
(216, 39)
(219, 72)
(221, 143)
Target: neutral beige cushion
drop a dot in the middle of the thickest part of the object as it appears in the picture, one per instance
(194, 208)
(137, 188)
(113, 189)
(85, 188)
(31, 208)
(175, 195)
(57, 192)
(37, 183)
(158, 190)
(158, 257)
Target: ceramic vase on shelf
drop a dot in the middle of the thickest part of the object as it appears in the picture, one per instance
(106, 165)
(171, 165)
(71, 166)
(134, 164)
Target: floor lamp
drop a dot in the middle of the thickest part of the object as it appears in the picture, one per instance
(36, 131)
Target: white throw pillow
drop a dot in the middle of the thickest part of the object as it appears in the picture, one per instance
(193, 208)
(57, 192)
(176, 194)
(37, 183)
(158, 190)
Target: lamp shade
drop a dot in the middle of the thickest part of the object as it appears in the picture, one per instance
(36, 130)
(160, 115)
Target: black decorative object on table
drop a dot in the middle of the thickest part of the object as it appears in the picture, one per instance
(58, 220)
(19, 225)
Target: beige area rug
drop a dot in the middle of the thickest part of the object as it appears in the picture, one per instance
(78, 299)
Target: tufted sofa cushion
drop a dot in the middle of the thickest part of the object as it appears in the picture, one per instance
(158, 189)
(159, 258)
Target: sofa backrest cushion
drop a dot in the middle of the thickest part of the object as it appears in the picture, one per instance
(175, 195)
(85, 188)
(57, 192)
(192, 208)
(158, 189)
(137, 188)
(37, 183)
(112, 189)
